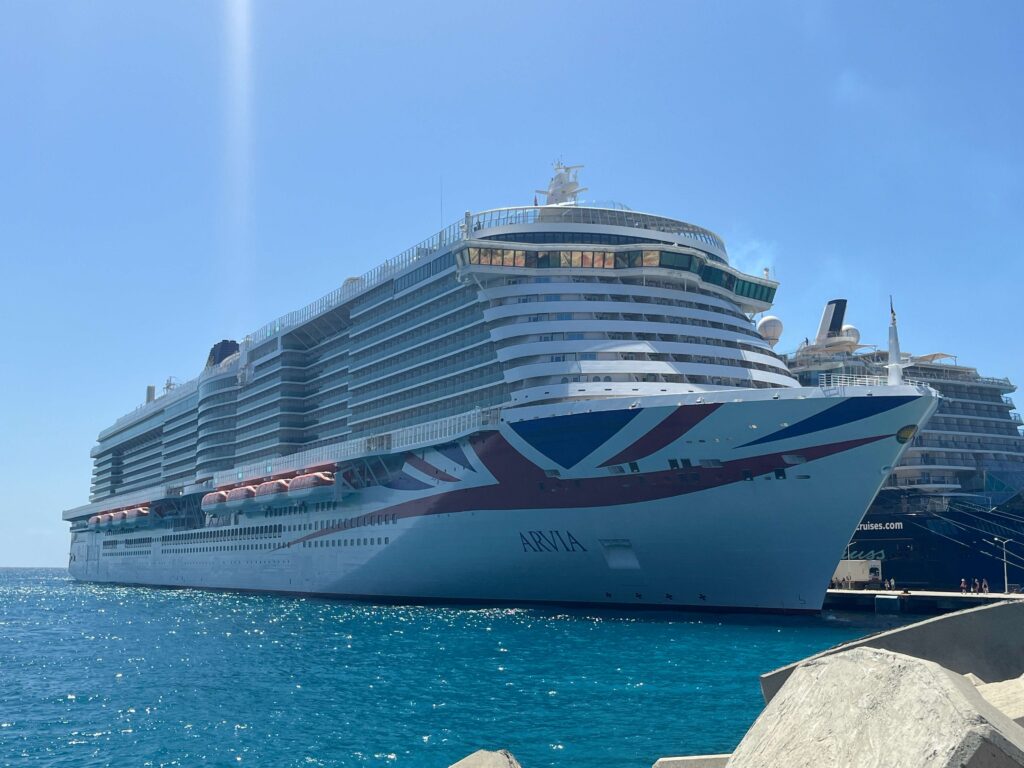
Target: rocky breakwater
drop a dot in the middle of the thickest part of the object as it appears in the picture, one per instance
(943, 693)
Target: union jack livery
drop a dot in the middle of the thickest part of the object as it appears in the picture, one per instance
(563, 403)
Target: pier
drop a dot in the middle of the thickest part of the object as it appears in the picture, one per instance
(909, 601)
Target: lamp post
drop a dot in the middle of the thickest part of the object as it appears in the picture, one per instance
(1006, 580)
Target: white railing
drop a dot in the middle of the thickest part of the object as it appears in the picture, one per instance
(578, 214)
(408, 438)
(354, 286)
(170, 396)
(834, 380)
(837, 380)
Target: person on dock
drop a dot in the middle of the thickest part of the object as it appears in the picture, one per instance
(976, 589)
(984, 586)
(963, 586)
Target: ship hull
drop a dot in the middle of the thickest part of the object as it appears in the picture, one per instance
(742, 504)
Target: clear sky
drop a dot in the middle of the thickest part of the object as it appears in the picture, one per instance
(172, 174)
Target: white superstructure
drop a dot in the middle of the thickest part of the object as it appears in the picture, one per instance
(554, 403)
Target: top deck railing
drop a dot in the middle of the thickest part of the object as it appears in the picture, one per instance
(612, 217)
(354, 286)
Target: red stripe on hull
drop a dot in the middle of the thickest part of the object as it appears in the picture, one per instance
(523, 485)
(671, 428)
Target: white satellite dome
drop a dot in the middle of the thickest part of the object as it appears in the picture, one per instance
(851, 332)
(770, 328)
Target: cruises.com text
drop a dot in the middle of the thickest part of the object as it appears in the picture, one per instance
(896, 526)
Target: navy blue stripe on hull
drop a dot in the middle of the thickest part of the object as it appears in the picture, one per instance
(846, 412)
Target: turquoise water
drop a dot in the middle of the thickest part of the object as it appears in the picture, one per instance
(95, 676)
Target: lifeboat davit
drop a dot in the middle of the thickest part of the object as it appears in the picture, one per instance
(238, 497)
(307, 485)
(214, 501)
(94, 521)
(268, 490)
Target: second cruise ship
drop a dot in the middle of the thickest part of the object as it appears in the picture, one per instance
(557, 403)
(952, 508)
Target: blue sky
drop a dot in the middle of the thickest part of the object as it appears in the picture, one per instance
(173, 174)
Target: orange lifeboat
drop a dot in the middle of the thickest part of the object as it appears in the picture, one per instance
(214, 501)
(135, 515)
(271, 488)
(306, 485)
(238, 497)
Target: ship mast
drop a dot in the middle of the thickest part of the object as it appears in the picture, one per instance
(895, 364)
(564, 188)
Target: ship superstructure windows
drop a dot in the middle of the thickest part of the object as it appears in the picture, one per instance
(566, 259)
(608, 325)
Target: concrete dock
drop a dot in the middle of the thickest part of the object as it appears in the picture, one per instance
(909, 601)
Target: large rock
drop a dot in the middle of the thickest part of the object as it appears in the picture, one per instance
(869, 707)
(1007, 697)
(483, 758)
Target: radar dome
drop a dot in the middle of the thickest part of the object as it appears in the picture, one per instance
(851, 333)
(770, 328)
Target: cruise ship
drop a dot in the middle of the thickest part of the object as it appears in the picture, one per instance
(955, 497)
(557, 403)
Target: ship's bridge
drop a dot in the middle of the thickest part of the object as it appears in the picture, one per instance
(628, 226)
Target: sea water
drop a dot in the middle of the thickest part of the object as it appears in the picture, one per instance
(94, 675)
